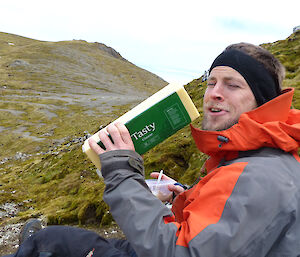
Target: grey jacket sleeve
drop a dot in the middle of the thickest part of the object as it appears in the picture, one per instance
(137, 211)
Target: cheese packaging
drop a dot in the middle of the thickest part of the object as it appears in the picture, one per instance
(153, 120)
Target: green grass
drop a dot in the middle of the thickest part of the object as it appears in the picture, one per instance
(288, 52)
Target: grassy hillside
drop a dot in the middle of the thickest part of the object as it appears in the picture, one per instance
(61, 184)
(51, 91)
(288, 52)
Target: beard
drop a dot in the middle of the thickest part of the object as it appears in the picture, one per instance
(206, 125)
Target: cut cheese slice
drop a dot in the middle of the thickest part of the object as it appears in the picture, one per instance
(153, 120)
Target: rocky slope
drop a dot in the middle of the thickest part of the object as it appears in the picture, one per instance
(52, 90)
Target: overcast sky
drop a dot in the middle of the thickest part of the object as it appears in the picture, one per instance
(177, 40)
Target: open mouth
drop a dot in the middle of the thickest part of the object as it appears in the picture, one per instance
(215, 109)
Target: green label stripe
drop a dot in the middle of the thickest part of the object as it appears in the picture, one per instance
(157, 123)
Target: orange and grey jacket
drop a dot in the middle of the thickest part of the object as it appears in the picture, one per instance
(247, 205)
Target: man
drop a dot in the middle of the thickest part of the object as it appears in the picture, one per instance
(249, 203)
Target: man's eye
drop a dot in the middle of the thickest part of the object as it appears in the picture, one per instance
(233, 86)
(211, 84)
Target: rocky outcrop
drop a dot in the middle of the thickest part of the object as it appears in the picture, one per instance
(297, 28)
(109, 50)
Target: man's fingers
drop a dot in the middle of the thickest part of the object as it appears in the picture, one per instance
(176, 189)
(103, 136)
(154, 174)
(95, 147)
(115, 134)
(115, 137)
(125, 135)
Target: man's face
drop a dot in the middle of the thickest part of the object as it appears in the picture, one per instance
(227, 96)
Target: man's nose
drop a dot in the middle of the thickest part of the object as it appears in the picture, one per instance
(217, 92)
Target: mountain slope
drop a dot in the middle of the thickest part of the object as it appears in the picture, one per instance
(52, 90)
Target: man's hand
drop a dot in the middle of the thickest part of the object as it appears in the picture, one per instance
(120, 136)
(175, 189)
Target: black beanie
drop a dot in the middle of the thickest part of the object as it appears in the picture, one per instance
(264, 86)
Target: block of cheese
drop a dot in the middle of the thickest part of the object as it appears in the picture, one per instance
(153, 120)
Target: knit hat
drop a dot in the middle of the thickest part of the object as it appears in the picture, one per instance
(263, 85)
